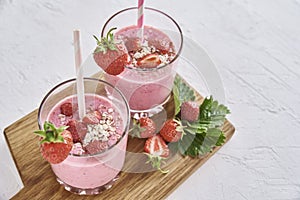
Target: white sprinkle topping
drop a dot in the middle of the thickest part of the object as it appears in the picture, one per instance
(103, 130)
(147, 50)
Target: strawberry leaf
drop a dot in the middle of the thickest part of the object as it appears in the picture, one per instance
(201, 144)
(40, 133)
(221, 140)
(194, 127)
(212, 114)
(62, 128)
(201, 136)
(51, 133)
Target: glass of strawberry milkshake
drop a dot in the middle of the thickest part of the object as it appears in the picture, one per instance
(147, 78)
(99, 139)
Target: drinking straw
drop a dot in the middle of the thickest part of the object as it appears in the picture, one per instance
(140, 20)
(79, 74)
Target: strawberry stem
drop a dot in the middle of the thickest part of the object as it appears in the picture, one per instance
(51, 133)
(110, 35)
(156, 162)
(98, 41)
(105, 43)
(136, 129)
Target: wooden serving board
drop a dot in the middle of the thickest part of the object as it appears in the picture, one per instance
(40, 182)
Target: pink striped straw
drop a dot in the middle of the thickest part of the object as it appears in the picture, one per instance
(140, 21)
(79, 74)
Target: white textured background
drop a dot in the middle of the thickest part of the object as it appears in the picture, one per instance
(254, 43)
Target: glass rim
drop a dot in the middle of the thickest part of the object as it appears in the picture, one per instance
(161, 12)
(126, 128)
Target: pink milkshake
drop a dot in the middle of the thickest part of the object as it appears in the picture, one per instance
(81, 170)
(146, 86)
(99, 138)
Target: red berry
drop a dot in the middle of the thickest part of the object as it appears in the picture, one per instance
(77, 129)
(156, 146)
(171, 131)
(190, 111)
(66, 109)
(148, 127)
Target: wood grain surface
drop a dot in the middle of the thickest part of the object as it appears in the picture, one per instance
(40, 182)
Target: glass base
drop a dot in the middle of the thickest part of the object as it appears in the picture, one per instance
(88, 191)
(150, 112)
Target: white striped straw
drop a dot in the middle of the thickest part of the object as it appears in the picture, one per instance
(79, 74)
(140, 21)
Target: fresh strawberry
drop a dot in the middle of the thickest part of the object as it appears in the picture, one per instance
(96, 146)
(112, 56)
(149, 127)
(190, 111)
(157, 150)
(91, 118)
(77, 129)
(66, 109)
(172, 130)
(149, 61)
(144, 127)
(56, 143)
(156, 146)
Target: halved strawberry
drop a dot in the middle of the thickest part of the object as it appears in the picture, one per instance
(55, 143)
(172, 130)
(77, 129)
(190, 111)
(149, 61)
(66, 109)
(156, 146)
(144, 127)
(157, 150)
(112, 56)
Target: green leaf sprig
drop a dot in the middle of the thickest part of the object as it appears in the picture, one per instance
(201, 136)
(51, 133)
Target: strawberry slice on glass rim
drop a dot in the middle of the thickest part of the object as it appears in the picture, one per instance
(110, 54)
(55, 143)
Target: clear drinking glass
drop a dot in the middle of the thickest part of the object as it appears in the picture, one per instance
(146, 89)
(88, 174)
